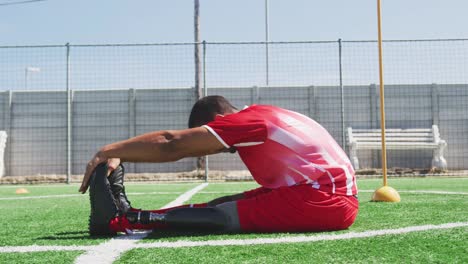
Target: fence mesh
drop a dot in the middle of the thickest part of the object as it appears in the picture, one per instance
(118, 91)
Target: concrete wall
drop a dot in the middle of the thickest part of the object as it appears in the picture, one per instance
(36, 122)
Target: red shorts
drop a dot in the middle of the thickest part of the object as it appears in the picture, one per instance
(299, 208)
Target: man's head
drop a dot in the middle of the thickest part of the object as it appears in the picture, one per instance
(206, 109)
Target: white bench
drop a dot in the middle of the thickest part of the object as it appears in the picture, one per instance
(417, 138)
(3, 138)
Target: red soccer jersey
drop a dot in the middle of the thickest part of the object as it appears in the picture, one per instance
(285, 148)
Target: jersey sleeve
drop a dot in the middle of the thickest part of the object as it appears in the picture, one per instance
(238, 130)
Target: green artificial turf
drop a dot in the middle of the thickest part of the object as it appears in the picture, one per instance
(439, 246)
(63, 221)
(418, 184)
(40, 257)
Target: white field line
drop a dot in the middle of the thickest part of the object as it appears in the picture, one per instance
(424, 192)
(182, 183)
(212, 192)
(299, 239)
(81, 195)
(73, 195)
(64, 185)
(186, 196)
(36, 248)
(244, 242)
(111, 250)
(76, 195)
(188, 183)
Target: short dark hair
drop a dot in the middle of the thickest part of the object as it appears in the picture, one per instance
(206, 108)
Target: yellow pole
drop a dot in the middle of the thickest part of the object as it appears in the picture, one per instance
(385, 193)
(382, 95)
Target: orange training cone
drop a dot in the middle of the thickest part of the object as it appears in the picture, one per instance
(21, 191)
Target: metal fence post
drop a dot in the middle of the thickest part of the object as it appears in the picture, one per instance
(205, 89)
(201, 161)
(316, 109)
(435, 104)
(310, 101)
(343, 136)
(196, 23)
(205, 92)
(267, 53)
(255, 95)
(8, 117)
(69, 116)
(374, 109)
(132, 120)
(373, 105)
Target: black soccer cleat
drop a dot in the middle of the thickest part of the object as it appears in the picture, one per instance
(103, 205)
(116, 181)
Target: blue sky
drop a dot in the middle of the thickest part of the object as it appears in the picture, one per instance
(56, 22)
(151, 21)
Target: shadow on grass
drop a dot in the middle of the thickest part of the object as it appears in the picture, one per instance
(159, 234)
(72, 235)
(155, 235)
(171, 233)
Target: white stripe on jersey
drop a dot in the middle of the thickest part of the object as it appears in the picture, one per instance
(284, 137)
(247, 144)
(332, 181)
(308, 180)
(291, 120)
(289, 180)
(315, 184)
(288, 139)
(348, 174)
(350, 180)
(320, 168)
(217, 136)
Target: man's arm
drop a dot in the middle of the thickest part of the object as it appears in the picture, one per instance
(164, 146)
(159, 146)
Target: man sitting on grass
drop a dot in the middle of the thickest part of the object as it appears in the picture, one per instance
(307, 181)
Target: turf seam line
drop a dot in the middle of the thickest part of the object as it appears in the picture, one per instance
(213, 192)
(111, 250)
(243, 242)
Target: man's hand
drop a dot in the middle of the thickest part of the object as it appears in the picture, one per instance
(92, 164)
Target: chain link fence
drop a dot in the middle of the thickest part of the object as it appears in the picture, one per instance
(61, 103)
